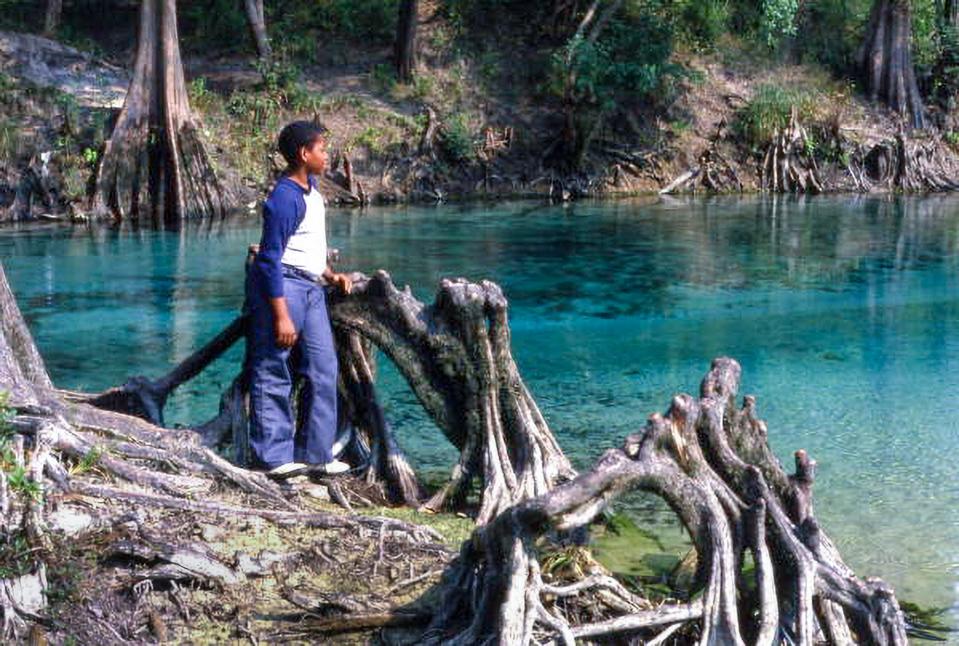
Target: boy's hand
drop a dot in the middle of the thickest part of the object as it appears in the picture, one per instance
(343, 282)
(285, 332)
(283, 327)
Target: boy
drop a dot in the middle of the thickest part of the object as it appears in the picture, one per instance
(288, 312)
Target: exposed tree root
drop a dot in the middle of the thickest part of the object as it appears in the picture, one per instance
(789, 165)
(712, 173)
(456, 356)
(70, 447)
(909, 165)
(709, 460)
(712, 464)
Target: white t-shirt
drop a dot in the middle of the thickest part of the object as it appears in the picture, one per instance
(306, 248)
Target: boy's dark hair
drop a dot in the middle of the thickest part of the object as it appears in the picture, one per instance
(296, 135)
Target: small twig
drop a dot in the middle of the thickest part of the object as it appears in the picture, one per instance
(412, 581)
(379, 550)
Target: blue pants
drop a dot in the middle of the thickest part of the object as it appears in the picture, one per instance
(273, 439)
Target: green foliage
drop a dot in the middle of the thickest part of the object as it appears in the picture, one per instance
(16, 555)
(926, 29)
(20, 482)
(383, 78)
(306, 28)
(201, 97)
(90, 156)
(371, 137)
(87, 462)
(629, 60)
(944, 84)
(704, 21)
(6, 416)
(456, 138)
(769, 110)
(830, 32)
(778, 20)
(219, 25)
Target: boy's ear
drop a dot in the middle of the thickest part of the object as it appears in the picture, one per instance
(302, 154)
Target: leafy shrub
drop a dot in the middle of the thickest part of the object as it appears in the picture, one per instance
(778, 20)
(628, 60)
(456, 138)
(704, 21)
(306, 26)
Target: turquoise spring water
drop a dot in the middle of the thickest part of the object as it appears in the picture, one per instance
(844, 312)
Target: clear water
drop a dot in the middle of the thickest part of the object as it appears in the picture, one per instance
(844, 312)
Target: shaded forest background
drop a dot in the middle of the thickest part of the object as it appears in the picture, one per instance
(502, 97)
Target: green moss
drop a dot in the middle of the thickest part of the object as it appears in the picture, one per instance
(454, 528)
(252, 536)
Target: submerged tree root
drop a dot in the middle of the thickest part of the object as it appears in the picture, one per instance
(711, 462)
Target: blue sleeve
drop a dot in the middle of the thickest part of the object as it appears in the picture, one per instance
(279, 222)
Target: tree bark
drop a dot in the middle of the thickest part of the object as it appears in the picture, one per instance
(885, 60)
(257, 20)
(51, 20)
(155, 167)
(404, 50)
(951, 13)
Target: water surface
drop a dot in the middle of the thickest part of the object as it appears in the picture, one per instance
(842, 311)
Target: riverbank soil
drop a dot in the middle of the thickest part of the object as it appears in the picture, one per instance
(472, 124)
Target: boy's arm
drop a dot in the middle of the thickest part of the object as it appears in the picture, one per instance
(272, 243)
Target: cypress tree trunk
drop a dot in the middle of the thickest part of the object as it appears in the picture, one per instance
(155, 167)
(885, 59)
(254, 13)
(951, 13)
(405, 47)
(52, 19)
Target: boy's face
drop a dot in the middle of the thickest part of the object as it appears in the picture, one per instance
(315, 157)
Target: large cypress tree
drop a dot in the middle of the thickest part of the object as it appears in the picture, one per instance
(155, 167)
(885, 60)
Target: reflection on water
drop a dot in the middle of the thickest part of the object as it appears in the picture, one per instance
(842, 310)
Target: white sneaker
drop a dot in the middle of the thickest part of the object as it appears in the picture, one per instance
(334, 467)
(288, 470)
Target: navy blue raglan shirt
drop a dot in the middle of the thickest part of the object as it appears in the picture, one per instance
(283, 212)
